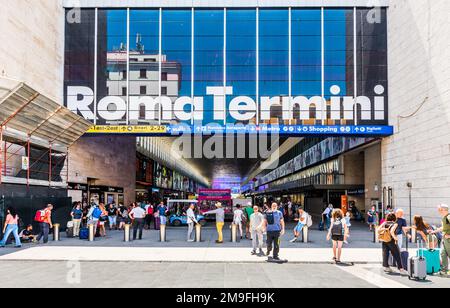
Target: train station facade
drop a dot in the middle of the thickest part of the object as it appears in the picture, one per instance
(361, 104)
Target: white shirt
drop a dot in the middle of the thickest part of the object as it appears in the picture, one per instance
(138, 212)
(304, 218)
(190, 216)
(327, 211)
(238, 216)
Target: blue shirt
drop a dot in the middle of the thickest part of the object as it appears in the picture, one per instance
(276, 226)
(401, 222)
(77, 214)
(162, 210)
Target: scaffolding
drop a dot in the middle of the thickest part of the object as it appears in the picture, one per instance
(35, 136)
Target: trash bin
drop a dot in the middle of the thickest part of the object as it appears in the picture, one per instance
(56, 228)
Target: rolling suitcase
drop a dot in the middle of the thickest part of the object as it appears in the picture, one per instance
(433, 259)
(417, 267)
(84, 234)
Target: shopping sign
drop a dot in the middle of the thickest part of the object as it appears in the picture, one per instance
(241, 108)
(214, 195)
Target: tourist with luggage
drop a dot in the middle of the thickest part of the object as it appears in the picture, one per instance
(93, 216)
(44, 218)
(112, 216)
(372, 218)
(388, 236)
(11, 225)
(238, 219)
(256, 224)
(220, 221)
(77, 216)
(402, 228)
(275, 227)
(338, 233)
(137, 215)
(191, 221)
(445, 229)
(301, 223)
(424, 232)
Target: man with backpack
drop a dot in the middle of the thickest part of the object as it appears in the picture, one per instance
(94, 216)
(275, 227)
(44, 218)
(445, 229)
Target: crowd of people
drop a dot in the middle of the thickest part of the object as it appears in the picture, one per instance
(252, 222)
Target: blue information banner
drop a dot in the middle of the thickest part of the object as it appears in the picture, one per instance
(290, 130)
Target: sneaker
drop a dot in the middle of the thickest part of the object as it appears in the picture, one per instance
(219, 242)
(402, 272)
(190, 241)
(387, 270)
(276, 259)
(253, 252)
(443, 273)
(293, 240)
(18, 246)
(261, 252)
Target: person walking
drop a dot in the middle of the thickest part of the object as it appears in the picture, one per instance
(45, 223)
(327, 216)
(149, 209)
(275, 226)
(388, 237)
(11, 226)
(220, 221)
(302, 220)
(102, 220)
(372, 218)
(238, 219)
(191, 220)
(112, 216)
(445, 229)
(256, 223)
(77, 216)
(137, 215)
(338, 233)
(122, 216)
(348, 223)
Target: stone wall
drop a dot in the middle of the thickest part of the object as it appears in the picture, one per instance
(110, 160)
(32, 44)
(419, 103)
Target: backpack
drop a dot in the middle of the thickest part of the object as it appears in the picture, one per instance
(309, 221)
(40, 216)
(384, 234)
(97, 213)
(337, 228)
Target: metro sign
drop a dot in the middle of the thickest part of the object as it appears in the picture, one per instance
(241, 108)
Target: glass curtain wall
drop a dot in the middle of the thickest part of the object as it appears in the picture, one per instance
(222, 52)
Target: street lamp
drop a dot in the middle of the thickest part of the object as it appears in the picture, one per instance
(410, 185)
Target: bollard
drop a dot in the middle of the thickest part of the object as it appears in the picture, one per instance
(162, 233)
(234, 236)
(198, 233)
(56, 232)
(91, 233)
(375, 234)
(413, 235)
(305, 234)
(126, 233)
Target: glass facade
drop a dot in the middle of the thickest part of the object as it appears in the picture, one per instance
(127, 66)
